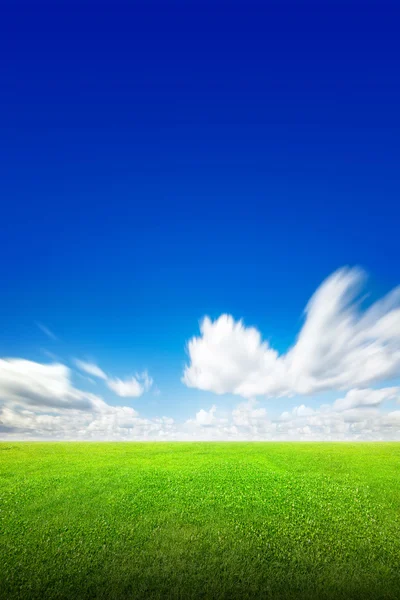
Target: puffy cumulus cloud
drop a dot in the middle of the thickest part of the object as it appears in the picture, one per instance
(90, 369)
(246, 415)
(354, 417)
(229, 357)
(131, 388)
(207, 426)
(204, 417)
(339, 347)
(357, 420)
(114, 423)
(327, 424)
(297, 412)
(245, 422)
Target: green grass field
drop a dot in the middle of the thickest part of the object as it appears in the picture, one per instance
(199, 520)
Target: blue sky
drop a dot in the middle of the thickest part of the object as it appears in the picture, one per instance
(161, 162)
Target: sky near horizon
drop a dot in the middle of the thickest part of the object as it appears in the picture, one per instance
(199, 228)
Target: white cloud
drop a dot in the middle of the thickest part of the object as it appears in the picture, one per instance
(366, 397)
(90, 369)
(246, 415)
(128, 388)
(355, 419)
(250, 423)
(359, 415)
(205, 418)
(297, 412)
(125, 388)
(245, 422)
(131, 388)
(115, 423)
(46, 331)
(392, 419)
(39, 401)
(338, 347)
(33, 384)
(147, 381)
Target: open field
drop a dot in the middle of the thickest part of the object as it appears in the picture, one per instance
(199, 520)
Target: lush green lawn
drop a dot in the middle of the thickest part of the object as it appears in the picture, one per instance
(201, 520)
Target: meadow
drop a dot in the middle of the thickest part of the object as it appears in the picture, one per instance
(199, 520)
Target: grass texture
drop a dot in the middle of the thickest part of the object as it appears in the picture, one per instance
(199, 520)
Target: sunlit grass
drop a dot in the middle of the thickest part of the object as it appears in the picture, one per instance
(201, 520)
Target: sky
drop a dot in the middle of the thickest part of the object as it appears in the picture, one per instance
(199, 230)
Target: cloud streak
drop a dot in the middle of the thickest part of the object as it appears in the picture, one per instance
(339, 347)
(132, 387)
(28, 383)
(90, 369)
(47, 331)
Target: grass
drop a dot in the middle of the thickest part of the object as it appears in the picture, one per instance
(199, 520)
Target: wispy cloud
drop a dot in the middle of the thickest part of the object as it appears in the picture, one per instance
(29, 383)
(46, 331)
(90, 369)
(132, 387)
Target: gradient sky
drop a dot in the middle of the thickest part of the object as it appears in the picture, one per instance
(166, 161)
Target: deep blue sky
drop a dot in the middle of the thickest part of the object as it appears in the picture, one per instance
(165, 160)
